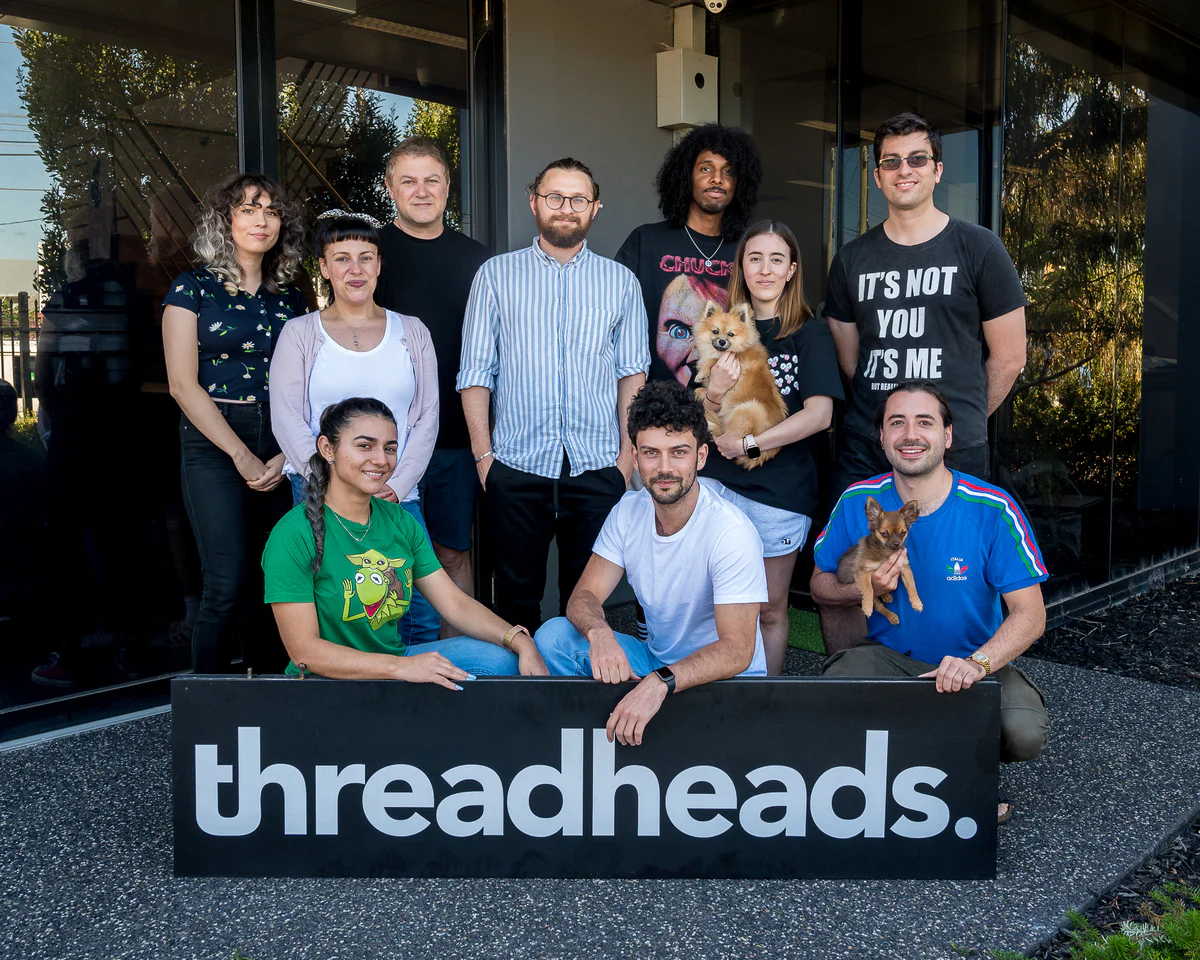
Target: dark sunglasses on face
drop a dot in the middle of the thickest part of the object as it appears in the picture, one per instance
(916, 161)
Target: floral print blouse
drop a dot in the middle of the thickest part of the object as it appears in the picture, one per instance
(236, 334)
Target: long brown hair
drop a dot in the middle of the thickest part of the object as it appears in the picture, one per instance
(793, 308)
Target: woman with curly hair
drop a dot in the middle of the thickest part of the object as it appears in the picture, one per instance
(707, 188)
(220, 324)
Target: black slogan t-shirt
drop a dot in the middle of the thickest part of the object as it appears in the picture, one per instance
(431, 280)
(920, 312)
(678, 274)
(804, 365)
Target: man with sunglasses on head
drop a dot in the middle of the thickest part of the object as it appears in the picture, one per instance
(555, 345)
(923, 295)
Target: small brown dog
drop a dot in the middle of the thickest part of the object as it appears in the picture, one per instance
(754, 403)
(889, 530)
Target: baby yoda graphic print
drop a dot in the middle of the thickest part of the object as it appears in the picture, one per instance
(382, 596)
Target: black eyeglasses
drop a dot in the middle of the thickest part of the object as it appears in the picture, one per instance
(555, 201)
(916, 161)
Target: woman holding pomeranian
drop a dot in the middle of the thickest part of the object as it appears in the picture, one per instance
(781, 495)
(340, 569)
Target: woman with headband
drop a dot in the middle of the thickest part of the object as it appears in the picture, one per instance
(220, 323)
(355, 348)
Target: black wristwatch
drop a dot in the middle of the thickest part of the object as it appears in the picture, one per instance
(752, 450)
(667, 677)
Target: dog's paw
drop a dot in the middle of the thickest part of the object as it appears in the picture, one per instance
(885, 598)
(916, 604)
(867, 608)
(891, 618)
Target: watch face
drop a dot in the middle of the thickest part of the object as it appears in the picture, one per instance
(753, 452)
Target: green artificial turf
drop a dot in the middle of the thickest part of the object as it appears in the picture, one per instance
(804, 630)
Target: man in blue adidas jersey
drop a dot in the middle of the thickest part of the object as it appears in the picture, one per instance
(969, 548)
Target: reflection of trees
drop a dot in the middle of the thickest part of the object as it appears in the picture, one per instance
(1074, 222)
(110, 124)
(439, 123)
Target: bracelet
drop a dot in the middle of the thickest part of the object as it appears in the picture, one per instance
(708, 399)
(484, 457)
(507, 639)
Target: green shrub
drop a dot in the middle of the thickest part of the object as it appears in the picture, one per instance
(25, 430)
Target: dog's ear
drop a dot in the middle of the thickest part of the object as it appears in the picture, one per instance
(744, 311)
(709, 309)
(874, 510)
(910, 512)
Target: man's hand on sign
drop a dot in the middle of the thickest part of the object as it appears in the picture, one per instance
(955, 673)
(887, 574)
(609, 663)
(637, 708)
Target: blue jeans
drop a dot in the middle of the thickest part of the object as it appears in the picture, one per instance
(568, 654)
(474, 656)
(421, 623)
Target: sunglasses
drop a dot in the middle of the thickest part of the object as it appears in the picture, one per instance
(916, 161)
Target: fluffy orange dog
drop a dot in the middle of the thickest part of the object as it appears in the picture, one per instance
(754, 403)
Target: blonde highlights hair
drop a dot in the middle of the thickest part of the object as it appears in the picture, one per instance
(213, 240)
(793, 309)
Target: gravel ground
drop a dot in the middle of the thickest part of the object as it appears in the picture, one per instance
(1154, 637)
(1179, 863)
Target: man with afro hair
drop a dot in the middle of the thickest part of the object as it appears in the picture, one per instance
(707, 188)
(694, 561)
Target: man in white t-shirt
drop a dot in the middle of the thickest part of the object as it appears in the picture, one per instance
(694, 561)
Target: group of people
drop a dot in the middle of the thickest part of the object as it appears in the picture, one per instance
(560, 383)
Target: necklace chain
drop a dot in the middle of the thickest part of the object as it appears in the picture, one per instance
(370, 517)
(707, 259)
(337, 315)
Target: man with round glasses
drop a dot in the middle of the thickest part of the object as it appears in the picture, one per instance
(554, 344)
(923, 295)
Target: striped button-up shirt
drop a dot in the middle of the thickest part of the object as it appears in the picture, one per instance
(551, 341)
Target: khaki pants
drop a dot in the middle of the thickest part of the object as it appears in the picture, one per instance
(1024, 726)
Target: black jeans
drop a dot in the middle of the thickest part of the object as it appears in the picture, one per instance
(526, 512)
(231, 523)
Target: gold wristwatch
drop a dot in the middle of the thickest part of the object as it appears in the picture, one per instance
(981, 658)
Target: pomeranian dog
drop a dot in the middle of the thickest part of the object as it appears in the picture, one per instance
(889, 530)
(754, 403)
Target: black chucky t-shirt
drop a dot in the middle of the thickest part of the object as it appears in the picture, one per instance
(804, 365)
(431, 280)
(676, 281)
(920, 312)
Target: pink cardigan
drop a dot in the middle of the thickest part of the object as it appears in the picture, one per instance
(291, 366)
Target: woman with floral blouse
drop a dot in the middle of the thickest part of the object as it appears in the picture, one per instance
(220, 324)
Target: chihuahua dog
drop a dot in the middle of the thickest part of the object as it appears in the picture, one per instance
(754, 403)
(889, 530)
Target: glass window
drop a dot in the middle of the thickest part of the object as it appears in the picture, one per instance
(352, 86)
(1095, 440)
(117, 119)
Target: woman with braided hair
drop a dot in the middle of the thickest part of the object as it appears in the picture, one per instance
(340, 569)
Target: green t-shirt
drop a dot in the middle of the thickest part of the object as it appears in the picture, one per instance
(364, 586)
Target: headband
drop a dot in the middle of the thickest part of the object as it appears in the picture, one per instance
(337, 212)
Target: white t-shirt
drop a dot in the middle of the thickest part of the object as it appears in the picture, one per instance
(384, 372)
(716, 558)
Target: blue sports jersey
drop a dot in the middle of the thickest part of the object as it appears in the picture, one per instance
(973, 548)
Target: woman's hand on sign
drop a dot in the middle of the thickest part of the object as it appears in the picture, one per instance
(637, 708)
(432, 668)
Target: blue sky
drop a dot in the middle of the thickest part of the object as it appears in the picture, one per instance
(18, 241)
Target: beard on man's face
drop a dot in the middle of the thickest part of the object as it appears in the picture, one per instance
(562, 232)
(672, 494)
(713, 204)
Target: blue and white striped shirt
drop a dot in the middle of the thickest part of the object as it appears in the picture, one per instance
(551, 341)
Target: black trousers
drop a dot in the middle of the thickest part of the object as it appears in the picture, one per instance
(860, 457)
(526, 512)
(231, 523)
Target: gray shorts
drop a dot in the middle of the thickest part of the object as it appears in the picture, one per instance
(782, 531)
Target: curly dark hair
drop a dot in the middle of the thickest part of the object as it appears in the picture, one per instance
(674, 180)
(667, 403)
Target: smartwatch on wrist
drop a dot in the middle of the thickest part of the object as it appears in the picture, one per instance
(752, 450)
(666, 676)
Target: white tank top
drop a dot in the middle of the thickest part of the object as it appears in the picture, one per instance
(384, 372)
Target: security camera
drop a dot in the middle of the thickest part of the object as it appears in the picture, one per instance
(715, 6)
